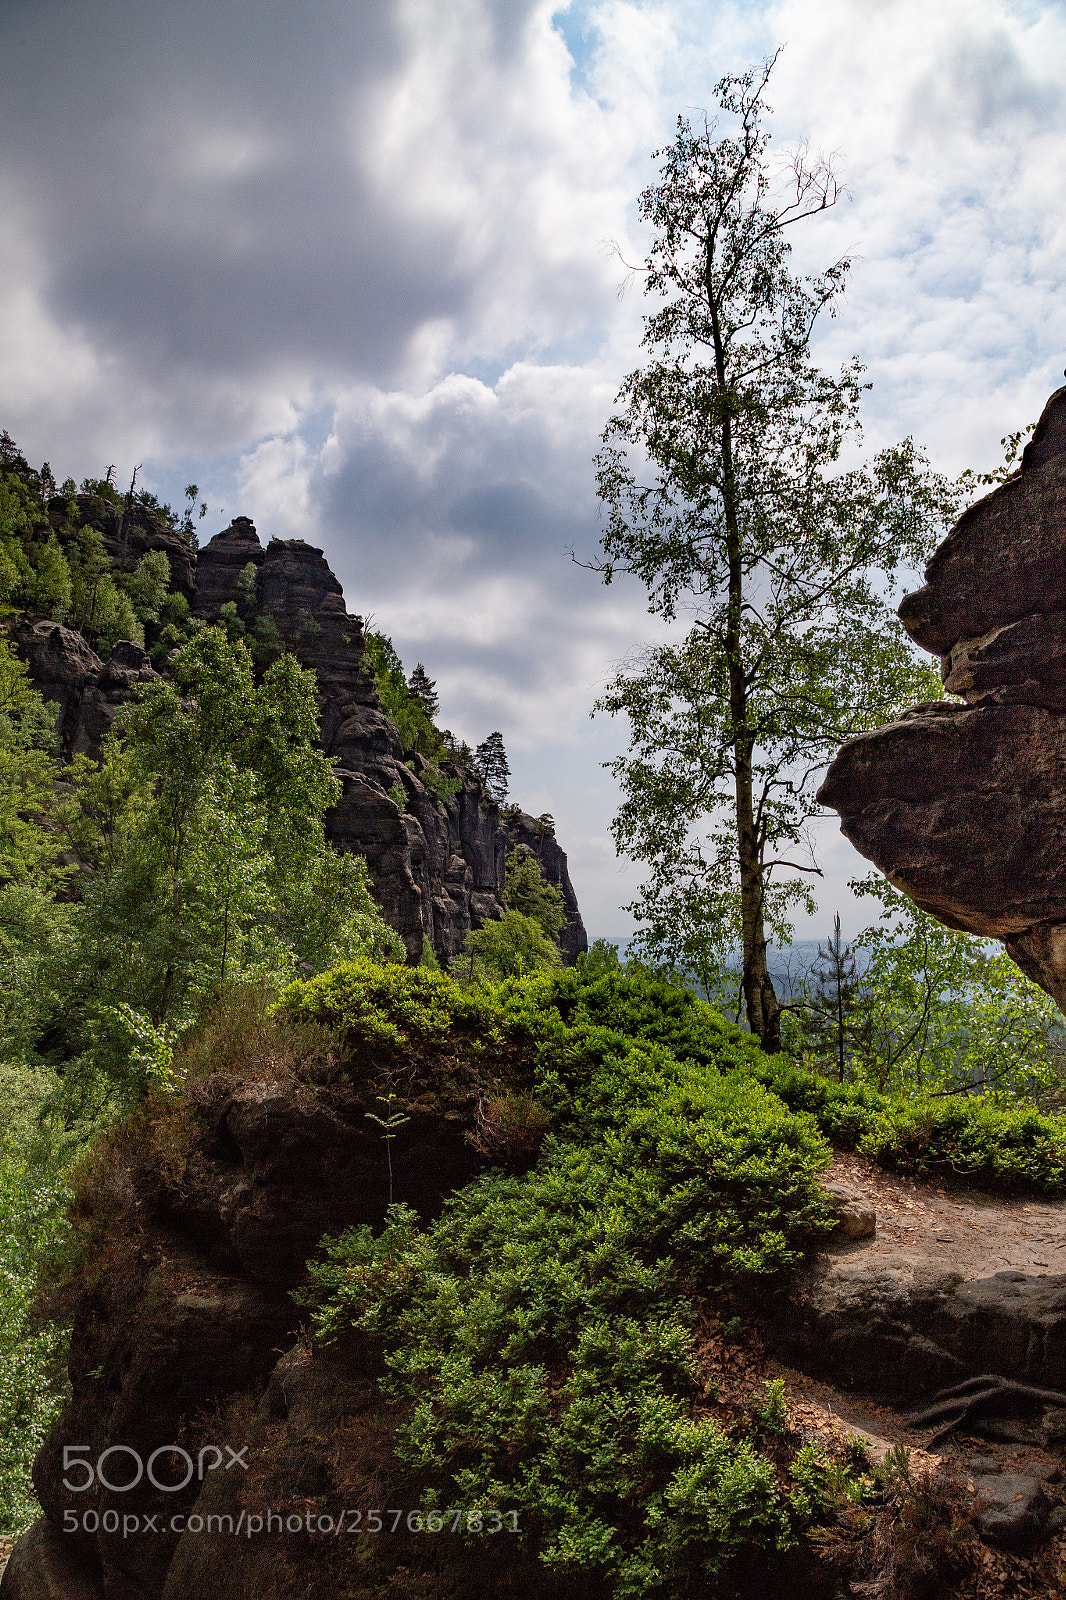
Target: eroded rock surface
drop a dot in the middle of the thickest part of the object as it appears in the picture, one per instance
(196, 1230)
(436, 861)
(87, 690)
(964, 806)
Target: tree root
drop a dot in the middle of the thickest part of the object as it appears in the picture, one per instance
(954, 1406)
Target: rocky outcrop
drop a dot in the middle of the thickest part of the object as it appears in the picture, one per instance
(963, 806)
(436, 858)
(87, 690)
(128, 533)
(194, 1223)
(905, 1327)
(538, 837)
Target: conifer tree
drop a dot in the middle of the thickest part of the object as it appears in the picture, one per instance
(424, 689)
(490, 764)
(835, 999)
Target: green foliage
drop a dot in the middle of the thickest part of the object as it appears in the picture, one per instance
(549, 1366)
(979, 1136)
(511, 947)
(933, 1009)
(644, 1006)
(820, 1484)
(1012, 444)
(48, 588)
(31, 1375)
(724, 495)
(527, 890)
(440, 786)
(412, 707)
(540, 1335)
(148, 586)
(492, 767)
(397, 700)
(101, 610)
(424, 690)
(1004, 1147)
(34, 1166)
(203, 855)
(27, 773)
(965, 1135)
(600, 957)
(385, 1014)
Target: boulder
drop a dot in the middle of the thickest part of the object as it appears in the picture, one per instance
(855, 1216)
(901, 1328)
(962, 805)
(1011, 1509)
(43, 1566)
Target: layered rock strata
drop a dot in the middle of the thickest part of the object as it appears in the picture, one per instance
(436, 863)
(963, 806)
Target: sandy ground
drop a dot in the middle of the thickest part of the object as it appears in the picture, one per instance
(979, 1235)
(976, 1233)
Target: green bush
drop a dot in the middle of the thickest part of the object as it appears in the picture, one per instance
(540, 1335)
(512, 947)
(966, 1135)
(998, 1146)
(970, 1135)
(542, 1342)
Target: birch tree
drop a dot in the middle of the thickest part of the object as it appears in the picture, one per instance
(725, 494)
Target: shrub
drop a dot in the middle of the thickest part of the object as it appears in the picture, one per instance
(539, 1337)
(513, 947)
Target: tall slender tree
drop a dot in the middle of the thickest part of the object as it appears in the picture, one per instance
(721, 478)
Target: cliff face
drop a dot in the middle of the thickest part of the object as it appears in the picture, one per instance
(964, 806)
(182, 1309)
(437, 865)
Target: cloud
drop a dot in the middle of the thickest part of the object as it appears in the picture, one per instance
(343, 264)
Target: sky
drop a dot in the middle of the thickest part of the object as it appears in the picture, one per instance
(349, 265)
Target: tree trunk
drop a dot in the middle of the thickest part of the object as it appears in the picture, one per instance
(760, 1000)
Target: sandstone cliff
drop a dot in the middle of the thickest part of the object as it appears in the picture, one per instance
(963, 806)
(437, 864)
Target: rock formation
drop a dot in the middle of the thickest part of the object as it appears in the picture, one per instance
(128, 533)
(963, 806)
(436, 864)
(181, 1309)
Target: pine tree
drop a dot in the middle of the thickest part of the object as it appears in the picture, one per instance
(490, 764)
(424, 689)
(835, 999)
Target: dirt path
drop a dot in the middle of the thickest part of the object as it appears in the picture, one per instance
(977, 1233)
